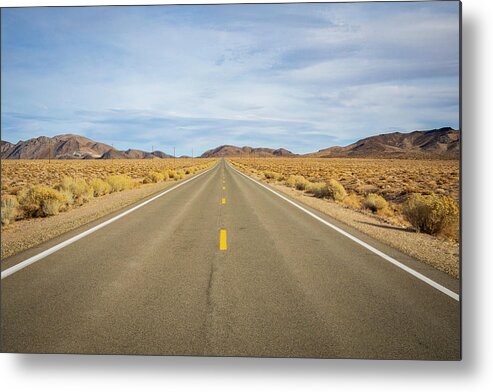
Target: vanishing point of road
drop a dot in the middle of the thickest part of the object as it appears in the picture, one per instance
(223, 266)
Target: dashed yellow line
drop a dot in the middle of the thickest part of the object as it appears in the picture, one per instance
(223, 244)
(223, 200)
(224, 188)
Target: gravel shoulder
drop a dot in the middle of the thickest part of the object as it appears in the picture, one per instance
(439, 253)
(25, 234)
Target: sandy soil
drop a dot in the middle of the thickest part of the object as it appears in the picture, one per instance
(440, 253)
(24, 234)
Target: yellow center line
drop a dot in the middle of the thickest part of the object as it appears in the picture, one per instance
(223, 245)
(224, 188)
(223, 200)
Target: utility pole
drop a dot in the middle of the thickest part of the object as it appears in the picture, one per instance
(174, 157)
(112, 152)
(192, 153)
(49, 151)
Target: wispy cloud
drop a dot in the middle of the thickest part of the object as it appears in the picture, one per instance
(300, 76)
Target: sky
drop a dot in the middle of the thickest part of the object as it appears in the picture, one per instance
(299, 76)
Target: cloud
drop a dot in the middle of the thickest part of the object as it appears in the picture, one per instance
(300, 76)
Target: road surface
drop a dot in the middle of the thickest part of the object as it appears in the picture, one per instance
(222, 266)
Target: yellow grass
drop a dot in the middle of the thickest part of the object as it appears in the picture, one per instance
(394, 179)
(16, 174)
(46, 188)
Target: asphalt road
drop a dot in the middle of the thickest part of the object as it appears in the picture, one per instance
(166, 280)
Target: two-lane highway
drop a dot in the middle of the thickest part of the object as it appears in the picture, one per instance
(223, 266)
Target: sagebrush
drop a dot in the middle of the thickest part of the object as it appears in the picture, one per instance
(431, 214)
(8, 209)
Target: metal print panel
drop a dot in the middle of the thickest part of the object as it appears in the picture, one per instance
(265, 180)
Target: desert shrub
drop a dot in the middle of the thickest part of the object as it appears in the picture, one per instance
(119, 183)
(80, 189)
(298, 182)
(8, 210)
(290, 181)
(352, 201)
(165, 174)
(40, 200)
(52, 206)
(318, 189)
(331, 190)
(172, 173)
(68, 199)
(336, 190)
(272, 175)
(375, 203)
(100, 187)
(431, 214)
(179, 174)
(153, 177)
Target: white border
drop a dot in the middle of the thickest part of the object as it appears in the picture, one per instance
(82, 373)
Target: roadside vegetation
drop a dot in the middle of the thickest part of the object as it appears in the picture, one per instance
(432, 214)
(426, 209)
(24, 197)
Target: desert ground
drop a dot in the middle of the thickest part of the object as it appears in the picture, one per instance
(392, 178)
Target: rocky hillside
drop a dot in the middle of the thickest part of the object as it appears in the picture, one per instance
(4, 147)
(69, 147)
(234, 151)
(436, 143)
(134, 154)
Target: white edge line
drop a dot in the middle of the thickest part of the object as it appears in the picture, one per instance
(402, 266)
(61, 245)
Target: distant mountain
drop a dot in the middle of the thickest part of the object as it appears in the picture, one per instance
(443, 143)
(4, 147)
(69, 147)
(436, 143)
(234, 151)
(57, 147)
(134, 154)
(160, 154)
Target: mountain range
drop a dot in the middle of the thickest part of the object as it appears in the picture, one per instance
(442, 143)
(435, 143)
(70, 146)
(229, 151)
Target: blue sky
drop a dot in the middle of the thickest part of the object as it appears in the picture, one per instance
(299, 76)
